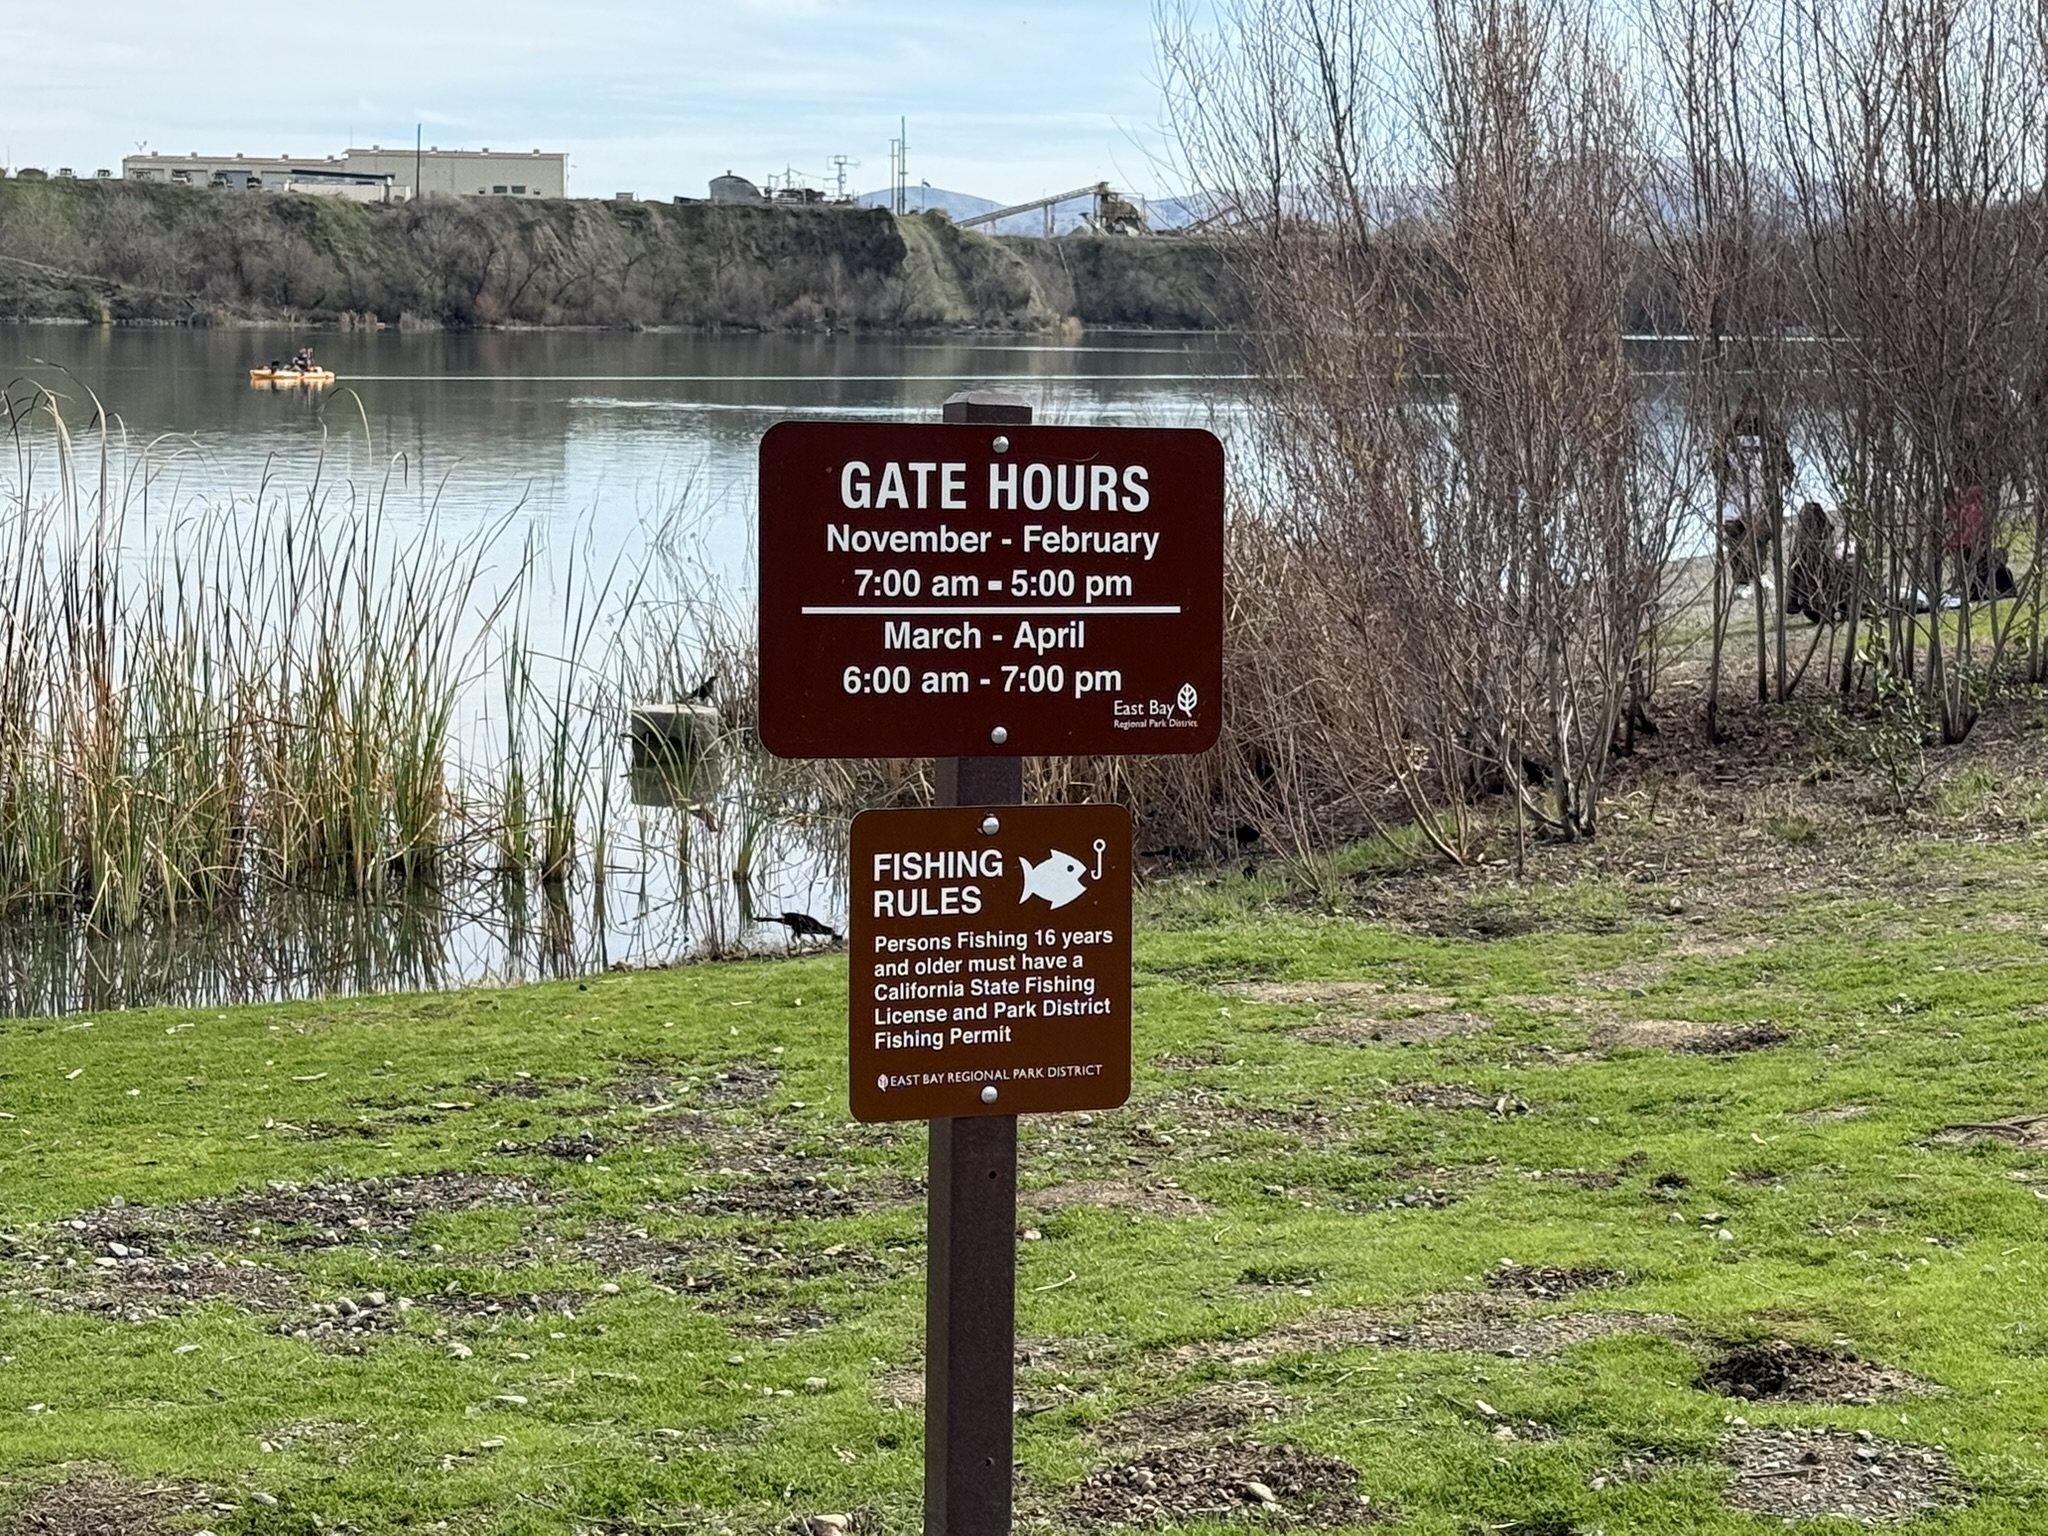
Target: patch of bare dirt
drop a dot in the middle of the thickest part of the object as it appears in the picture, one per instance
(571, 1147)
(2029, 1131)
(343, 1324)
(730, 1271)
(1834, 1114)
(1456, 1096)
(1548, 1282)
(94, 1501)
(1232, 1481)
(666, 1125)
(1804, 1474)
(1162, 1197)
(781, 1187)
(1635, 975)
(320, 1214)
(742, 1083)
(1786, 1371)
(1688, 1037)
(1209, 1413)
(142, 1289)
(1489, 1325)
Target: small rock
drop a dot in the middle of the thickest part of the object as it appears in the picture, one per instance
(1674, 906)
(460, 1351)
(119, 1250)
(267, 1500)
(608, 1289)
(1676, 1218)
(1724, 1236)
(817, 1384)
(1259, 1493)
(735, 1359)
(826, 1525)
(495, 1443)
(1032, 1235)
(510, 1399)
(346, 1306)
(374, 1299)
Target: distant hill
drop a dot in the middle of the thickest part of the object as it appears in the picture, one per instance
(1164, 213)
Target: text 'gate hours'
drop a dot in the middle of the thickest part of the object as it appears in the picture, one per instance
(953, 590)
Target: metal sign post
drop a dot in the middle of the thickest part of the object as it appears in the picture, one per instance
(970, 1297)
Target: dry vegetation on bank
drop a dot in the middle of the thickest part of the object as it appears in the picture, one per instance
(117, 251)
(1455, 583)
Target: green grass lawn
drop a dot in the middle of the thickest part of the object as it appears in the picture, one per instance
(662, 1283)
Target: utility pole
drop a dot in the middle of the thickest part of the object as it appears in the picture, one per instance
(899, 199)
(419, 134)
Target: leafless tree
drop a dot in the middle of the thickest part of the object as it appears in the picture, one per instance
(1440, 257)
(1914, 139)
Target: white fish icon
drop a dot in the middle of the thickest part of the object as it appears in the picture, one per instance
(1059, 877)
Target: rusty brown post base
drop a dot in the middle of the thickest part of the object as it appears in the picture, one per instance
(970, 1306)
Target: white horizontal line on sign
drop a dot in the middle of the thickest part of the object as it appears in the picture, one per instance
(965, 611)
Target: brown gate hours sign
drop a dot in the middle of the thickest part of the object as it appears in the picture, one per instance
(990, 961)
(948, 590)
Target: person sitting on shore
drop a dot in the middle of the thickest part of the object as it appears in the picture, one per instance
(1751, 472)
(1822, 576)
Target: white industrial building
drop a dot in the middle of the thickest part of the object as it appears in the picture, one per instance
(375, 174)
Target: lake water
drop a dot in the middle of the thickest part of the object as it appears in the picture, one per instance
(580, 429)
(583, 441)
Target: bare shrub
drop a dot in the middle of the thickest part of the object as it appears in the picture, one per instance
(1440, 264)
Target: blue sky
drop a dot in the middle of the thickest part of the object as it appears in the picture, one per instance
(1004, 98)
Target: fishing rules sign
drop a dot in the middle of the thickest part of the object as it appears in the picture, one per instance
(990, 961)
(954, 590)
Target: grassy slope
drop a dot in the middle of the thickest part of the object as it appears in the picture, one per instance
(1925, 1008)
